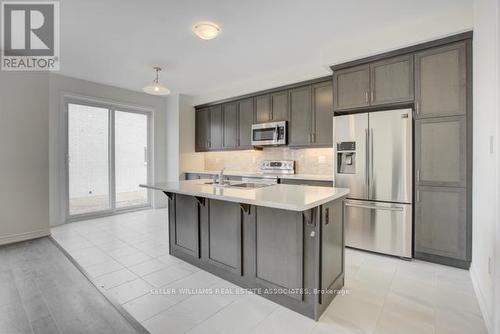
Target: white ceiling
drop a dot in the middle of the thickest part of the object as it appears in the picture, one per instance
(263, 43)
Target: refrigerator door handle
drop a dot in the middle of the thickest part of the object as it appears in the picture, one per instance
(375, 207)
(367, 155)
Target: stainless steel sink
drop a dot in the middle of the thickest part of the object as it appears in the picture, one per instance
(249, 185)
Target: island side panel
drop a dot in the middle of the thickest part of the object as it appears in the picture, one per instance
(332, 252)
(185, 225)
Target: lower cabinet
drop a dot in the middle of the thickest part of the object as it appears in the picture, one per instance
(185, 225)
(287, 227)
(441, 230)
(224, 237)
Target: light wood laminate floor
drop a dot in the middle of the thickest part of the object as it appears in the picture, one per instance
(41, 291)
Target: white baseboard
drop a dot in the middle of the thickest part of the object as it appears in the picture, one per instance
(480, 297)
(9, 239)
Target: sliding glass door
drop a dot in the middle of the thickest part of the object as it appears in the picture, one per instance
(108, 156)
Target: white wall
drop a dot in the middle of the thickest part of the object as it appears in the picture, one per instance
(62, 85)
(24, 156)
(485, 163)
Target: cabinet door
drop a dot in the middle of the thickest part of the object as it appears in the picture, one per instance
(224, 235)
(391, 80)
(245, 123)
(286, 226)
(230, 125)
(441, 81)
(322, 114)
(202, 129)
(440, 151)
(186, 225)
(279, 106)
(351, 87)
(263, 109)
(215, 127)
(300, 116)
(441, 222)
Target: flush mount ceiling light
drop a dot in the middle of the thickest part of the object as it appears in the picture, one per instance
(156, 88)
(206, 30)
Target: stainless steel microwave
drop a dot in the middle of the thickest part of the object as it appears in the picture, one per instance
(273, 133)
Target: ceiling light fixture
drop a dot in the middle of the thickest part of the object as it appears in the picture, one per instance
(206, 30)
(156, 88)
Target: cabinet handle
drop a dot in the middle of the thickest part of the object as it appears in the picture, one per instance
(371, 96)
(418, 195)
(310, 137)
(314, 137)
(366, 97)
(418, 175)
(417, 108)
(327, 216)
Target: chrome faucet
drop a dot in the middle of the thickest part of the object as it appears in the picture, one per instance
(221, 176)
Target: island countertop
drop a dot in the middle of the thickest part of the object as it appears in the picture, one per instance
(279, 196)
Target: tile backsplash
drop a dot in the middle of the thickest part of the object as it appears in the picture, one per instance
(307, 161)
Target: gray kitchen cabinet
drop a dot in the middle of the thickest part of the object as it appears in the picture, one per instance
(441, 223)
(332, 239)
(262, 109)
(391, 80)
(279, 106)
(351, 87)
(311, 113)
(230, 125)
(245, 121)
(224, 247)
(286, 226)
(382, 82)
(202, 131)
(271, 107)
(440, 151)
(185, 225)
(300, 116)
(322, 131)
(441, 80)
(215, 127)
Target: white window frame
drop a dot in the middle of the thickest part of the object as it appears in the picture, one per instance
(112, 107)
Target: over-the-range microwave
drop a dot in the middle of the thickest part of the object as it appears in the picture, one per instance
(273, 133)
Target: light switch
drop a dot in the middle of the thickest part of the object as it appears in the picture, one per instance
(492, 144)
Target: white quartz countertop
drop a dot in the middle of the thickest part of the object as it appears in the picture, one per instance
(300, 176)
(279, 196)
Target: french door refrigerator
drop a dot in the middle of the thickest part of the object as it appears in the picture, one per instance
(373, 158)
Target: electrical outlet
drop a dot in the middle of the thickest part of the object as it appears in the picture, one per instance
(490, 266)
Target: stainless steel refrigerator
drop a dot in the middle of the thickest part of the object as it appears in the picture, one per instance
(373, 158)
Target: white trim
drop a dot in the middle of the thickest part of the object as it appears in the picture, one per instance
(12, 238)
(481, 299)
(112, 106)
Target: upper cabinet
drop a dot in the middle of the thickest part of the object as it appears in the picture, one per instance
(271, 107)
(245, 121)
(230, 125)
(351, 87)
(391, 80)
(216, 127)
(378, 83)
(441, 81)
(311, 112)
(202, 139)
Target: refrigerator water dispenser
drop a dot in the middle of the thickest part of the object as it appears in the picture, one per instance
(346, 157)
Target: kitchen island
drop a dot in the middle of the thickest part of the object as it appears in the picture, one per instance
(284, 242)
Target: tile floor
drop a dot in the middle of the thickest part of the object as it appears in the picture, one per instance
(127, 256)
